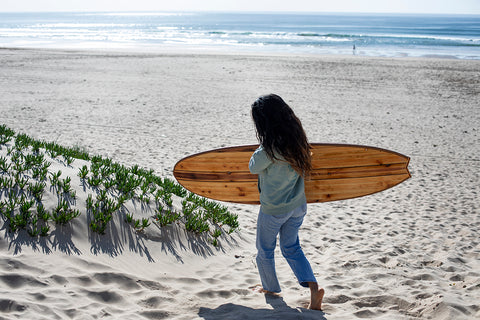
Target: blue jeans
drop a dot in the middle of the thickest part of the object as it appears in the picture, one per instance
(287, 225)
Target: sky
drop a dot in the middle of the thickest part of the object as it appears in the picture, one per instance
(370, 6)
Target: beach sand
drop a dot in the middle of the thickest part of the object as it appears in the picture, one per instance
(409, 252)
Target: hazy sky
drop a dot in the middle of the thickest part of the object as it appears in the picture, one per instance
(397, 6)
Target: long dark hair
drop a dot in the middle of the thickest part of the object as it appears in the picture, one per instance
(280, 132)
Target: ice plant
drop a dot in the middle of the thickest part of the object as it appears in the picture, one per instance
(23, 180)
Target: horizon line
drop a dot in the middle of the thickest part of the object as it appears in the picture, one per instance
(246, 12)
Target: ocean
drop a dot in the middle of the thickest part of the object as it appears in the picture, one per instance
(383, 35)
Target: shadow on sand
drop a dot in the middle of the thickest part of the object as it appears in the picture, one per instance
(280, 310)
(118, 237)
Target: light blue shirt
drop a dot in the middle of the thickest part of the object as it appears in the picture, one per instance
(281, 188)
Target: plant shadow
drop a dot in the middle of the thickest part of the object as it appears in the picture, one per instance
(117, 234)
(176, 240)
(59, 239)
(172, 239)
(120, 236)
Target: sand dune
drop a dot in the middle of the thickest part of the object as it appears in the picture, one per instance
(406, 253)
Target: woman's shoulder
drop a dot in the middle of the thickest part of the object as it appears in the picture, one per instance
(261, 153)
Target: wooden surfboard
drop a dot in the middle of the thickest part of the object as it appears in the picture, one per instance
(340, 172)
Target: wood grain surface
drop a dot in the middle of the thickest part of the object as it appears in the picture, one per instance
(340, 172)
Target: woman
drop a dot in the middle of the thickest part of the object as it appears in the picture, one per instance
(281, 162)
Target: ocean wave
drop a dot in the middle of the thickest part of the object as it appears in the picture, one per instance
(308, 34)
(135, 32)
(334, 35)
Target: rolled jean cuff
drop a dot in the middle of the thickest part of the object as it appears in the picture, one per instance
(305, 283)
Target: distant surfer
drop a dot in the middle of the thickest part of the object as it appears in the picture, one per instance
(281, 162)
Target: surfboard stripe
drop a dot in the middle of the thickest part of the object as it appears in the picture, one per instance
(243, 176)
(317, 174)
(359, 171)
(219, 190)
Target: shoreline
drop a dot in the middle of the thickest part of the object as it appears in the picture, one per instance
(227, 51)
(410, 252)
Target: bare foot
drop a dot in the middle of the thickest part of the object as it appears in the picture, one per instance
(259, 289)
(316, 300)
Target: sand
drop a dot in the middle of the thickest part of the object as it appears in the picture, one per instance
(410, 252)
